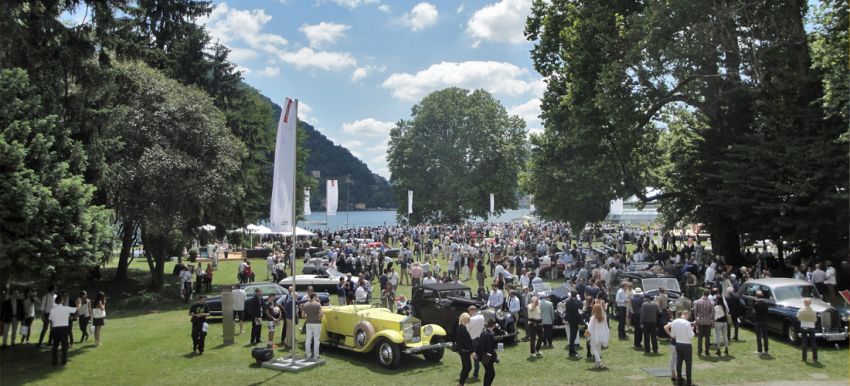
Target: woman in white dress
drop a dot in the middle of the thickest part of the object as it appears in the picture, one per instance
(597, 330)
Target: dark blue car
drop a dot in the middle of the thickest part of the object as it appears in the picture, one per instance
(268, 288)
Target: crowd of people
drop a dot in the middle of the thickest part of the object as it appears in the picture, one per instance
(57, 311)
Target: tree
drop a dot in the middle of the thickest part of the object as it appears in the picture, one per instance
(457, 148)
(175, 161)
(48, 225)
(728, 82)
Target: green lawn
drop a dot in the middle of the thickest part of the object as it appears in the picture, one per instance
(151, 345)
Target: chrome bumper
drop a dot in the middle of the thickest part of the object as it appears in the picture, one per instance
(416, 350)
(832, 336)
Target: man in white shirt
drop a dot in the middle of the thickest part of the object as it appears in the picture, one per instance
(59, 317)
(683, 332)
(429, 279)
(523, 279)
(393, 279)
(819, 279)
(360, 295)
(475, 327)
(47, 302)
(496, 299)
(620, 299)
(830, 282)
(186, 279)
(270, 262)
(514, 305)
(239, 297)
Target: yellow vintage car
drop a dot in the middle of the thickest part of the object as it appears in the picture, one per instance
(364, 329)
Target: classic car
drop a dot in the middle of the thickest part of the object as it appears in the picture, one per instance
(442, 304)
(786, 298)
(326, 281)
(366, 329)
(214, 302)
(650, 282)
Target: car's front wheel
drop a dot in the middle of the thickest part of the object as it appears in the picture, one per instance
(434, 355)
(389, 354)
(791, 332)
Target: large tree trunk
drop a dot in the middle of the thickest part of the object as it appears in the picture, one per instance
(128, 232)
(726, 242)
(156, 249)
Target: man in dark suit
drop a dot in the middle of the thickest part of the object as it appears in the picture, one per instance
(637, 303)
(486, 352)
(649, 313)
(572, 316)
(736, 310)
(254, 310)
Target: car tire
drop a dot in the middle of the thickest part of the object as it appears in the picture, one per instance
(435, 355)
(388, 353)
(363, 333)
(791, 332)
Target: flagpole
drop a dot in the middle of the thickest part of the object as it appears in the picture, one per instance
(294, 295)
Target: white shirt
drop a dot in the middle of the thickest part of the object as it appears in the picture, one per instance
(242, 267)
(47, 302)
(496, 299)
(830, 276)
(239, 296)
(59, 315)
(429, 280)
(475, 326)
(513, 304)
(682, 331)
(270, 261)
(393, 278)
(621, 298)
(523, 281)
(360, 293)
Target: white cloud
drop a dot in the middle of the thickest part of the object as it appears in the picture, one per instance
(529, 112)
(423, 15)
(233, 26)
(351, 4)
(324, 60)
(305, 113)
(381, 159)
(460, 9)
(502, 22)
(384, 8)
(359, 73)
(323, 33)
(495, 77)
(368, 127)
(269, 71)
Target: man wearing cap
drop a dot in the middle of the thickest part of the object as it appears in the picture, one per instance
(704, 314)
(637, 302)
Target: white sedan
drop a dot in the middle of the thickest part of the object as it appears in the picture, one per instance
(321, 282)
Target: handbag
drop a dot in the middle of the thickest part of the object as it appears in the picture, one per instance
(98, 313)
(25, 330)
(487, 358)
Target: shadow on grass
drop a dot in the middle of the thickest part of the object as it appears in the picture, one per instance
(816, 365)
(265, 380)
(37, 365)
(409, 363)
(766, 357)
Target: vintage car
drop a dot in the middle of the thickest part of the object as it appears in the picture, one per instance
(326, 281)
(442, 304)
(786, 298)
(366, 329)
(214, 302)
(650, 282)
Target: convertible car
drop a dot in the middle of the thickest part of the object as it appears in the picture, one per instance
(786, 298)
(326, 281)
(367, 329)
(650, 282)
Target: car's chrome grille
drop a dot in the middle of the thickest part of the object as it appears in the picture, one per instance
(829, 319)
(417, 332)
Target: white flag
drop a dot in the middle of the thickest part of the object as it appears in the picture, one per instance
(283, 183)
(333, 197)
(409, 201)
(307, 210)
(492, 203)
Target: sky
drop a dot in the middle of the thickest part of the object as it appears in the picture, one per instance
(358, 66)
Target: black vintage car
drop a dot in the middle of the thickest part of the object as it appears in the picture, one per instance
(650, 282)
(442, 304)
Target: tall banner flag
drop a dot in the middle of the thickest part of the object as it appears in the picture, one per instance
(492, 203)
(307, 210)
(333, 197)
(281, 216)
(409, 201)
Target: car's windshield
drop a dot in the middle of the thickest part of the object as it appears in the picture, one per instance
(538, 287)
(794, 291)
(669, 283)
(266, 289)
(458, 293)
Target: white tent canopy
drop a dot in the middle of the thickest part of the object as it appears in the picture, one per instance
(299, 232)
(253, 229)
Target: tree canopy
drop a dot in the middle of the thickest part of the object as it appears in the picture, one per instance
(457, 148)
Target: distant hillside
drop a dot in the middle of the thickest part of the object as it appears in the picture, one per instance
(336, 162)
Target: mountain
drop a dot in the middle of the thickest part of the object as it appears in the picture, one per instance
(336, 162)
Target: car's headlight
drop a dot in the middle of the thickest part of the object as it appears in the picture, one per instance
(428, 330)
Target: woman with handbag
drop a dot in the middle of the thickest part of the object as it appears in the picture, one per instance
(98, 315)
(463, 346)
(597, 331)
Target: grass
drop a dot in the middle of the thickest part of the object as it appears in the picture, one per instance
(150, 344)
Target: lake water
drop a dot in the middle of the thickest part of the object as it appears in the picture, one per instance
(379, 218)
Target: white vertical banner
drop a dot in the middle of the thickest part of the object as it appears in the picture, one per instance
(333, 197)
(283, 183)
(307, 210)
(492, 203)
(409, 201)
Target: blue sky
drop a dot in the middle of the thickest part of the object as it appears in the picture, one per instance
(357, 66)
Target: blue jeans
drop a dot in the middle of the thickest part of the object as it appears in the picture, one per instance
(761, 336)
